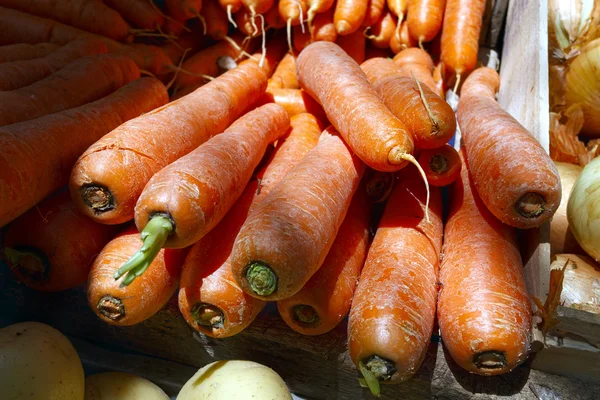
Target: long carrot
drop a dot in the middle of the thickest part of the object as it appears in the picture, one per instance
(284, 76)
(25, 51)
(374, 12)
(283, 243)
(182, 10)
(17, 74)
(382, 31)
(349, 15)
(92, 16)
(323, 27)
(417, 63)
(441, 165)
(393, 311)
(425, 19)
(483, 307)
(78, 83)
(36, 156)
(51, 247)
(427, 116)
(217, 24)
(336, 81)
(209, 299)
(354, 45)
(325, 299)
(514, 176)
(460, 35)
(140, 13)
(294, 101)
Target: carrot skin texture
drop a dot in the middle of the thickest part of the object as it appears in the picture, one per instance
(382, 31)
(483, 304)
(354, 45)
(25, 51)
(37, 156)
(441, 165)
(259, 6)
(294, 101)
(69, 255)
(349, 15)
(374, 12)
(207, 277)
(323, 27)
(190, 41)
(145, 296)
(329, 291)
(336, 81)
(217, 23)
(284, 76)
(235, 5)
(416, 62)
(291, 10)
(139, 12)
(425, 19)
(393, 310)
(301, 241)
(514, 176)
(273, 18)
(398, 8)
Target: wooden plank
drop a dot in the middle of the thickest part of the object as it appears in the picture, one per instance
(585, 325)
(568, 357)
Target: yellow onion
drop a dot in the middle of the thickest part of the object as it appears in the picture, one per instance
(581, 284)
(561, 237)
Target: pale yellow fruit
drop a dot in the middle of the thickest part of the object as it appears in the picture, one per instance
(121, 386)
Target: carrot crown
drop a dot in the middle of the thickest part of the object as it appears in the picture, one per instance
(262, 278)
(30, 262)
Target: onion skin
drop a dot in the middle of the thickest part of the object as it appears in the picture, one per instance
(581, 284)
(561, 237)
(583, 209)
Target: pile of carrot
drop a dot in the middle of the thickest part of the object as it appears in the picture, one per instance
(251, 164)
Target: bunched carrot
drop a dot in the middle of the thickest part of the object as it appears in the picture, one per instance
(215, 18)
(349, 15)
(285, 74)
(323, 27)
(36, 156)
(515, 178)
(140, 13)
(417, 63)
(441, 165)
(483, 307)
(301, 38)
(398, 8)
(382, 31)
(393, 311)
(425, 19)
(294, 101)
(325, 299)
(182, 10)
(209, 299)
(354, 45)
(273, 18)
(186, 44)
(439, 78)
(123, 306)
(316, 7)
(375, 52)
(231, 7)
(25, 51)
(374, 12)
(51, 247)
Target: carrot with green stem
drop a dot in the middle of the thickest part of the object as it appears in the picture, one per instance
(514, 176)
(354, 45)
(349, 15)
(380, 34)
(284, 76)
(425, 19)
(140, 13)
(393, 312)
(25, 51)
(36, 156)
(416, 62)
(483, 308)
(442, 165)
(209, 299)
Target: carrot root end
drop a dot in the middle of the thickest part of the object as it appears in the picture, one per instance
(111, 307)
(262, 278)
(489, 360)
(375, 369)
(306, 314)
(531, 205)
(208, 315)
(99, 198)
(29, 261)
(438, 163)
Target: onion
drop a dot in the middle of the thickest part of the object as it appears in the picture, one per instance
(583, 209)
(561, 238)
(581, 284)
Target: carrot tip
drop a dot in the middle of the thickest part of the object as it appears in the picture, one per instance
(531, 205)
(376, 369)
(261, 278)
(111, 307)
(29, 261)
(208, 315)
(306, 314)
(98, 198)
(491, 359)
(343, 27)
(438, 163)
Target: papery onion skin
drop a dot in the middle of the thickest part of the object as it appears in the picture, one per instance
(583, 209)
(561, 237)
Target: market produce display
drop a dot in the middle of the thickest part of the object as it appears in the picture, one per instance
(237, 152)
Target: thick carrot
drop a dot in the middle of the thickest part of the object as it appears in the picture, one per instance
(109, 177)
(78, 83)
(209, 299)
(284, 76)
(425, 19)
(92, 16)
(182, 10)
(514, 176)
(123, 306)
(36, 156)
(354, 45)
(140, 13)
(441, 165)
(318, 7)
(325, 299)
(349, 15)
(283, 243)
(215, 18)
(323, 27)
(460, 35)
(483, 307)
(382, 31)
(25, 51)
(393, 311)
(374, 12)
(51, 247)
(417, 63)
(398, 8)
(353, 106)
(294, 101)
(17, 74)
(427, 116)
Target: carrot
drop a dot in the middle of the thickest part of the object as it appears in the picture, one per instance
(17, 74)
(393, 311)
(258, 6)
(417, 63)
(295, 102)
(354, 45)
(425, 19)
(92, 16)
(293, 12)
(216, 20)
(140, 13)
(209, 299)
(442, 165)
(301, 38)
(325, 299)
(382, 31)
(398, 8)
(174, 27)
(89, 79)
(375, 52)
(124, 306)
(186, 44)
(483, 307)
(51, 247)
(336, 81)
(36, 156)
(323, 27)
(318, 7)
(273, 18)
(182, 10)
(24, 51)
(248, 23)
(513, 175)
(427, 116)
(374, 12)
(231, 7)
(285, 74)
(379, 185)
(439, 77)
(349, 15)
(460, 35)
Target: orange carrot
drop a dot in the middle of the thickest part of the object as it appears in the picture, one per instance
(427, 116)
(17, 74)
(24, 51)
(425, 19)
(174, 27)
(323, 27)
(51, 247)
(209, 299)
(37, 156)
(182, 10)
(349, 15)
(231, 7)
(284, 76)
(78, 83)
(483, 307)
(442, 165)
(216, 20)
(318, 7)
(354, 45)
(379, 185)
(460, 35)
(188, 43)
(382, 31)
(375, 52)
(393, 311)
(249, 24)
(292, 11)
(514, 176)
(295, 102)
(417, 63)
(374, 12)
(325, 299)
(123, 306)
(398, 8)
(140, 13)
(336, 81)
(273, 18)
(439, 77)
(282, 243)
(301, 38)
